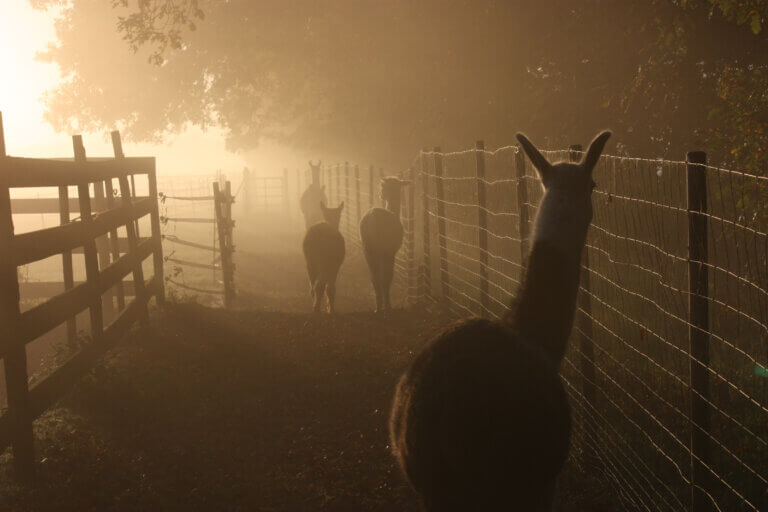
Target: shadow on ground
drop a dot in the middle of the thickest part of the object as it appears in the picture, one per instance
(245, 410)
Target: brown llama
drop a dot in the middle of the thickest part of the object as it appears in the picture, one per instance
(312, 197)
(381, 233)
(324, 253)
(481, 421)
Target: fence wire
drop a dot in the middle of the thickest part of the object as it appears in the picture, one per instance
(631, 392)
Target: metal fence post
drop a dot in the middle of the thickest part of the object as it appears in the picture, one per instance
(482, 224)
(698, 330)
(438, 156)
(426, 240)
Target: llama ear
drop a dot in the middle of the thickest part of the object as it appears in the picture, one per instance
(594, 151)
(341, 206)
(322, 206)
(538, 160)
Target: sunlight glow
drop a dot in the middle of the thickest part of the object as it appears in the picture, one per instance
(24, 32)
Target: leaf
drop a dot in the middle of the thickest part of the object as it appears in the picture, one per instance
(756, 24)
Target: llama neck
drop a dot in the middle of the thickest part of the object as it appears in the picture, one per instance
(543, 311)
(393, 205)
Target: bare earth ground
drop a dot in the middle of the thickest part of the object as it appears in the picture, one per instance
(264, 408)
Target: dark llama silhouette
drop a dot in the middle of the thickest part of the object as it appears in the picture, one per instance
(324, 253)
(312, 197)
(381, 233)
(481, 421)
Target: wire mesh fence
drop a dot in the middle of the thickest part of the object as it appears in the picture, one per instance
(667, 365)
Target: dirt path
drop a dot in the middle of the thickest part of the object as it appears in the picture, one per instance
(265, 408)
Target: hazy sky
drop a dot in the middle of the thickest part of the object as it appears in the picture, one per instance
(25, 31)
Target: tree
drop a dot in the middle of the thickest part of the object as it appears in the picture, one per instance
(381, 79)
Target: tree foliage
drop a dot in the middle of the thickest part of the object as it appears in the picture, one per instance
(381, 79)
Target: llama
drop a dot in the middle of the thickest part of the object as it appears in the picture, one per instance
(324, 253)
(381, 233)
(312, 197)
(481, 421)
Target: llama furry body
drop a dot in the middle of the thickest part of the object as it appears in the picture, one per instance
(381, 233)
(312, 197)
(324, 252)
(481, 421)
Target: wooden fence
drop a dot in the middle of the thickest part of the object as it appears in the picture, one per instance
(667, 370)
(108, 260)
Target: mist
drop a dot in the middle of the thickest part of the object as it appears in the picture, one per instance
(395, 256)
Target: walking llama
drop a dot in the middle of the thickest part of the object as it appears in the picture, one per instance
(480, 421)
(324, 253)
(381, 233)
(312, 197)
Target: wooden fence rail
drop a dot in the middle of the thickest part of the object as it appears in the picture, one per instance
(105, 269)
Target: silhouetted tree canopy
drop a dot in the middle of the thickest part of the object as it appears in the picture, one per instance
(381, 79)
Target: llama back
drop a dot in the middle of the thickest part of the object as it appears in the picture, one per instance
(324, 248)
(480, 403)
(381, 231)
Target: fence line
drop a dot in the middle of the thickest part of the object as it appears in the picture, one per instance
(107, 264)
(223, 225)
(667, 366)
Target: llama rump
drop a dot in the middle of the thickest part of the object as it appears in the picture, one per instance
(324, 252)
(312, 197)
(481, 421)
(381, 233)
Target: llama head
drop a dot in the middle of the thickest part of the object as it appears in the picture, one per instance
(332, 215)
(315, 171)
(391, 189)
(565, 210)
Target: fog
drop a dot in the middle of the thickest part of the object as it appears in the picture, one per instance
(445, 255)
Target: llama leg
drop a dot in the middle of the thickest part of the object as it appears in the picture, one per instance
(377, 284)
(312, 273)
(330, 292)
(319, 289)
(373, 268)
(387, 270)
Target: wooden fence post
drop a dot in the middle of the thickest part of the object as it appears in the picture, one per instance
(230, 226)
(102, 247)
(66, 260)
(371, 187)
(15, 359)
(157, 236)
(139, 289)
(586, 345)
(522, 208)
(413, 277)
(357, 195)
(698, 330)
(155, 232)
(89, 249)
(222, 210)
(346, 196)
(114, 243)
(338, 184)
(482, 224)
(441, 222)
(426, 241)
